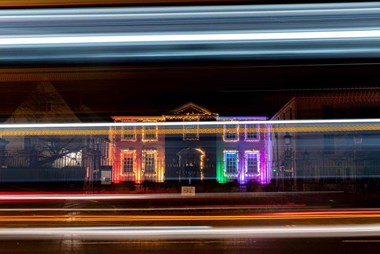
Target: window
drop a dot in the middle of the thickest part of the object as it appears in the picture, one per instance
(328, 142)
(252, 162)
(149, 161)
(28, 143)
(150, 133)
(251, 132)
(128, 133)
(128, 161)
(44, 107)
(190, 132)
(231, 132)
(231, 162)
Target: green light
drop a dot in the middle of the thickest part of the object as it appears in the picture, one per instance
(220, 177)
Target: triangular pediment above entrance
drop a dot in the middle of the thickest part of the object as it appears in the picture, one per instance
(191, 109)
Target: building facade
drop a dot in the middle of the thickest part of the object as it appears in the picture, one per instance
(332, 152)
(190, 152)
(49, 149)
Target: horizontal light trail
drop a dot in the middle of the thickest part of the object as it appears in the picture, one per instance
(45, 3)
(318, 215)
(125, 233)
(189, 37)
(190, 123)
(291, 9)
(206, 32)
(4, 197)
(189, 208)
(179, 130)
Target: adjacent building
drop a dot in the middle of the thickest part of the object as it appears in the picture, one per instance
(38, 152)
(335, 152)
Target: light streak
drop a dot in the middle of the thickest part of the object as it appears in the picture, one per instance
(312, 31)
(46, 40)
(189, 208)
(181, 124)
(130, 233)
(38, 197)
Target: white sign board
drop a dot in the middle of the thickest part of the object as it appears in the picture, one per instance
(187, 191)
(106, 177)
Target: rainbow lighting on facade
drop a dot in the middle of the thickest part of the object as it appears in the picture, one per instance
(149, 164)
(246, 147)
(203, 155)
(188, 149)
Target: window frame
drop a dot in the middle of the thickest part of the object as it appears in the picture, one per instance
(122, 138)
(123, 154)
(246, 162)
(149, 152)
(226, 163)
(225, 133)
(144, 138)
(246, 138)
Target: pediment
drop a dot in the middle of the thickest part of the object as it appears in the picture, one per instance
(191, 109)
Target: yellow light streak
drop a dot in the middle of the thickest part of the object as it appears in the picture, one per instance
(124, 218)
(212, 130)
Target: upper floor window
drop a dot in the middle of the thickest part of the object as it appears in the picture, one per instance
(252, 162)
(329, 143)
(128, 159)
(150, 133)
(44, 106)
(190, 132)
(231, 132)
(231, 162)
(252, 132)
(128, 133)
(149, 161)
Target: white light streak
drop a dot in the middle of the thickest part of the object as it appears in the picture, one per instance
(210, 37)
(181, 124)
(284, 9)
(177, 232)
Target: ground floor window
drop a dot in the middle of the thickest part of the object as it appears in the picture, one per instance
(149, 161)
(231, 162)
(252, 162)
(128, 161)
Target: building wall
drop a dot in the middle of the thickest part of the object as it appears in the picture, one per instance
(204, 152)
(200, 157)
(244, 147)
(139, 147)
(330, 151)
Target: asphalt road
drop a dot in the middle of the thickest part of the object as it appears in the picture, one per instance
(236, 223)
(336, 245)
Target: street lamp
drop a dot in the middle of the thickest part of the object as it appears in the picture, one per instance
(288, 157)
(287, 138)
(357, 142)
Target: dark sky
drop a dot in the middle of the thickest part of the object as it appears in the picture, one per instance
(225, 88)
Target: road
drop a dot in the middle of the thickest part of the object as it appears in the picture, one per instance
(339, 245)
(209, 223)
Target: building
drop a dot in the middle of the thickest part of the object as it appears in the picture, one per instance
(48, 149)
(190, 152)
(329, 152)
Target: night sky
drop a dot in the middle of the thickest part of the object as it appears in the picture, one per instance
(154, 89)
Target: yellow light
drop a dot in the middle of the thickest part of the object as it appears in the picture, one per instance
(123, 155)
(155, 156)
(203, 155)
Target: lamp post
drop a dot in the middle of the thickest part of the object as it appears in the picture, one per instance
(357, 142)
(288, 158)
